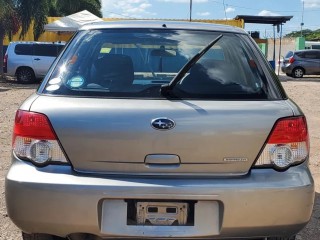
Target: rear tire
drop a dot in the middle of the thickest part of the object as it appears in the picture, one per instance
(25, 75)
(38, 236)
(297, 72)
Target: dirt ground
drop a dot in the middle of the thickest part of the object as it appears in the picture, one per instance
(305, 92)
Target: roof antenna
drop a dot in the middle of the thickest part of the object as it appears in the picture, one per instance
(164, 25)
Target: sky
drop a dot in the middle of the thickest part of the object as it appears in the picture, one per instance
(220, 9)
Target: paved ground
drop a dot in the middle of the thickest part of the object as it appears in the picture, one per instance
(305, 92)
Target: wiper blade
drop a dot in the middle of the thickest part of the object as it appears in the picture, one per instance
(165, 88)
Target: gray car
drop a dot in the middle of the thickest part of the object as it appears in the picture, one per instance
(152, 129)
(302, 62)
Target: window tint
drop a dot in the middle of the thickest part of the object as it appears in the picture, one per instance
(23, 49)
(60, 48)
(311, 55)
(48, 50)
(135, 63)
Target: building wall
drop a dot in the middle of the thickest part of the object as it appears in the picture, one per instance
(287, 44)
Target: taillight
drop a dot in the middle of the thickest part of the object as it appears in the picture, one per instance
(5, 63)
(35, 140)
(288, 143)
(291, 59)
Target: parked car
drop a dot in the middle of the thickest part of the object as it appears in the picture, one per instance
(152, 129)
(30, 60)
(302, 62)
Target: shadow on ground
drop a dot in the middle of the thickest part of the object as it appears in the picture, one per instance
(8, 84)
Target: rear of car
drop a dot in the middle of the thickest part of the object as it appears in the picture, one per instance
(29, 61)
(303, 62)
(111, 147)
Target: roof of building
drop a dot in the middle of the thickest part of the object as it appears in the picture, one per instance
(274, 20)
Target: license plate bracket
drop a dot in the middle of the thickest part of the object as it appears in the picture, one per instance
(162, 213)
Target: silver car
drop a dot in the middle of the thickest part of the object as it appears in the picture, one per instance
(151, 129)
(303, 62)
(29, 61)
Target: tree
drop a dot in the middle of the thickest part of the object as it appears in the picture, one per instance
(33, 12)
(9, 24)
(67, 7)
(27, 13)
(36, 12)
(310, 35)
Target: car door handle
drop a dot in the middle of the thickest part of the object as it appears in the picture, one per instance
(37, 59)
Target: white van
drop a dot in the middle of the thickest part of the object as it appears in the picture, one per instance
(29, 61)
(312, 45)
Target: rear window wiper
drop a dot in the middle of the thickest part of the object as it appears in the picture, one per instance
(165, 88)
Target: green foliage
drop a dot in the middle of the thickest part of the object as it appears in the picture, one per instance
(67, 7)
(9, 24)
(9, 20)
(36, 12)
(26, 13)
(33, 12)
(310, 35)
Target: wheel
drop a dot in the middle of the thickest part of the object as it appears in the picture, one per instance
(282, 238)
(38, 236)
(297, 72)
(25, 75)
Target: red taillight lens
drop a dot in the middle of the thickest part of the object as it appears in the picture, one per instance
(291, 59)
(289, 130)
(5, 63)
(288, 143)
(35, 140)
(32, 125)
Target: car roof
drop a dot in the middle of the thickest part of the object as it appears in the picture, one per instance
(159, 24)
(306, 50)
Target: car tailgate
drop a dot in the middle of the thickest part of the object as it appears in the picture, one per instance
(116, 136)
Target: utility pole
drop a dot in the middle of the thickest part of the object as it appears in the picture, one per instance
(224, 7)
(190, 11)
(302, 23)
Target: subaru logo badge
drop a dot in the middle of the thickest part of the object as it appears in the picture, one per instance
(162, 123)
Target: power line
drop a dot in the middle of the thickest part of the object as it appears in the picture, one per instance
(126, 16)
(249, 8)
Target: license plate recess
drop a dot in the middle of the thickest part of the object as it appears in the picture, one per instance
(162, 213)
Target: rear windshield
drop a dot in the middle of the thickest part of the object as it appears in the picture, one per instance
(289, 54)
(135, 63)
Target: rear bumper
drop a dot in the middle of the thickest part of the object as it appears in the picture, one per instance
(286, 69)
(58, 201)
